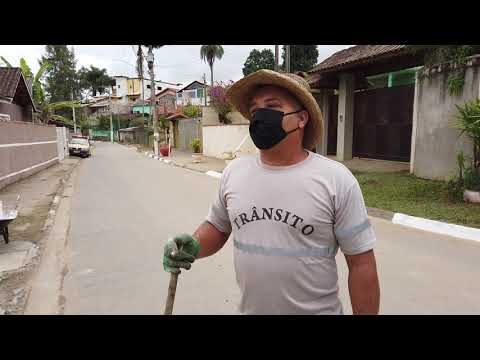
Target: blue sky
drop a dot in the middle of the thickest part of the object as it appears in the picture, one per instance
(174, 63)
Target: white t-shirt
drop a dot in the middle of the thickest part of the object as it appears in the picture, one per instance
(288, 223)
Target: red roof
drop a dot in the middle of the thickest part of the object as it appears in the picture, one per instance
(176, 116)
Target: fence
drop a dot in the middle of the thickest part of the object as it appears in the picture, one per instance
(25, 148)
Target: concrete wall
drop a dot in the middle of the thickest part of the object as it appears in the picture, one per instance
(210, 117)
(435, 144)
(25, 148)
(218, 139)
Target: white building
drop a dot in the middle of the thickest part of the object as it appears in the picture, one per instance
(193, 94)
(127, 90)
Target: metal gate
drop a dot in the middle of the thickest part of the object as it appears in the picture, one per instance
(382, 125)
(188, 129)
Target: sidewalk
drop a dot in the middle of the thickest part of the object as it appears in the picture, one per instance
(18, 258)
(184, 159)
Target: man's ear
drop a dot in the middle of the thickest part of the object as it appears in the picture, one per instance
(305, 117)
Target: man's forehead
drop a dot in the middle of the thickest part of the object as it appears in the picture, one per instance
(271, 91)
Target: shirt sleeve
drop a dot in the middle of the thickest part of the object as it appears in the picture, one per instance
(353, 230)
(218, 214)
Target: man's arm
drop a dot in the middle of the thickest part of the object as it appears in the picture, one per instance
(363, 283)
(210, 239)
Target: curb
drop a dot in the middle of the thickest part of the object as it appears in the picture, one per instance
(433, 226)
(56, 199)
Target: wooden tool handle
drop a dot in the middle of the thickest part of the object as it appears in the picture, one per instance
(172, 289)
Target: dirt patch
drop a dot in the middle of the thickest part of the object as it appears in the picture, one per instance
(37, 195)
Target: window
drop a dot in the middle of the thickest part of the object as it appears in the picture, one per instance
(179, 95)
(148, 86)
(118, 86)
(159, 88)
(200, 93)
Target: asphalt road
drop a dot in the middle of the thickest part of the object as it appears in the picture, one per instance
(125, 206)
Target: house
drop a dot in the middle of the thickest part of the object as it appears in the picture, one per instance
(98, 106)
(165, 103)
(377, 105)
(127, 90)
(193, 94)
(16, 102)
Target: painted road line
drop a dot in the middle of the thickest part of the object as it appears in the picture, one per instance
(438, 227)
(214, 174)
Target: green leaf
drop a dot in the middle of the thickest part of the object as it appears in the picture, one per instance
(6, 62)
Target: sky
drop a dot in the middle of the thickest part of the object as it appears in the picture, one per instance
(173, 63)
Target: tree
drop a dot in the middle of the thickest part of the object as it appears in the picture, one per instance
(259, 60)
(61, 76)
(302, 57)
(38, 93)
(94, 79)
(209, 53)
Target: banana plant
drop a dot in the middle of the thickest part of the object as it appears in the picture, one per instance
(38, 93)
(48, 110)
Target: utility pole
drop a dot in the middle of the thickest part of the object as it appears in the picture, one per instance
(74, 120)
(111, 118)
(156, 134)
(287, 58)
(205, 88)
(276, 58)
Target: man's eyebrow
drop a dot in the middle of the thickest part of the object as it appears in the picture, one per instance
(252, 102)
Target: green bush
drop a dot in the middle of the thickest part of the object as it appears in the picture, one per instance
(139, 121)
(471, 179)
(192, 111)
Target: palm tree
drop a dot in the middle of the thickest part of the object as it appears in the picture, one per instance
(209, 53)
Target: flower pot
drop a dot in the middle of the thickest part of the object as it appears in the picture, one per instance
(164, 150)
(471, 196)
(197, 157)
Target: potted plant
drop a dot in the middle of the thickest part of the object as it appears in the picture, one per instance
(164, 149)
(467, 120)
(195, 144)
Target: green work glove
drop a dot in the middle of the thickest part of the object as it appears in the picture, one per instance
(180, 252)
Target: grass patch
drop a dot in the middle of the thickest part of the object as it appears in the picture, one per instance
(405, 193)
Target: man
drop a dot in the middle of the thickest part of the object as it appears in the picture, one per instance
(289, 210)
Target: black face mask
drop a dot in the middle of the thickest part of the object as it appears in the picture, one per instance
(266, 127)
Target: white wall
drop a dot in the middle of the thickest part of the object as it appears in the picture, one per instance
(435, 144)
(223, 138)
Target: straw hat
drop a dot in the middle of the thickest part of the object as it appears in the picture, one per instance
(240, 92)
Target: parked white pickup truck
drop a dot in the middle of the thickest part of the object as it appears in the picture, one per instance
(79, 146)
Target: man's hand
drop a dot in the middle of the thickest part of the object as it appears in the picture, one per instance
(180, 252)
